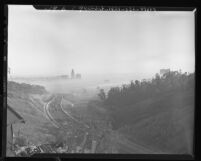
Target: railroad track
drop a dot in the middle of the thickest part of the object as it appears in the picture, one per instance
(48, 115)
(53, 104)
(70, 116)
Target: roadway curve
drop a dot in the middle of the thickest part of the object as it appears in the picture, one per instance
(132, 147)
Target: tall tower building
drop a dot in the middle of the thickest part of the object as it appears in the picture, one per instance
(72, 74)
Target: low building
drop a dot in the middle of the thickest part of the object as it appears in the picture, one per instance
(78, 76)
(12, 118)
(64, 76)
(163, 71)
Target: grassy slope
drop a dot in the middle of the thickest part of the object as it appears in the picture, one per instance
(30, 106)
(162, 124)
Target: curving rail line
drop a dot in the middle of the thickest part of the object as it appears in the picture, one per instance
(74, 119)
(48, 115)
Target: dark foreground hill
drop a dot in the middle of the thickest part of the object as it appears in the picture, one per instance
(158, 115)
(164, 123)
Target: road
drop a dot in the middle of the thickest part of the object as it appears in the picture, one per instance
(134, 148)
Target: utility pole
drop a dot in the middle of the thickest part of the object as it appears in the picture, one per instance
(9, 72)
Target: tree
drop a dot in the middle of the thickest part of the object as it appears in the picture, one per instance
(102, 94)
(137, 82)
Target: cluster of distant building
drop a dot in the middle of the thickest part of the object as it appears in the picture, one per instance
(73, 75)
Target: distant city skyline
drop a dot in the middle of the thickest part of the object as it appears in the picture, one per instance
(47, 43)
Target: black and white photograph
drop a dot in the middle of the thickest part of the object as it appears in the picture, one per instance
(100, 81)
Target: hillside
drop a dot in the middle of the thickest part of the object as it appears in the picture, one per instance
(31, 102)
(150, 117)
(25, 88)
(160, 117)
(28, 101)
(164, 124)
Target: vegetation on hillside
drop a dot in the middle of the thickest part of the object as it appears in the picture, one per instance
(137, 91)
(157, 114)
(25, 88)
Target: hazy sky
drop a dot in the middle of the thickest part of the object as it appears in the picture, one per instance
(53, 42)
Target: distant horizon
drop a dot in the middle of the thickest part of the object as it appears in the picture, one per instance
(89, 74)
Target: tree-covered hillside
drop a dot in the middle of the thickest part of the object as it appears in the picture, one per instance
(157, 114)
(137, 91)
